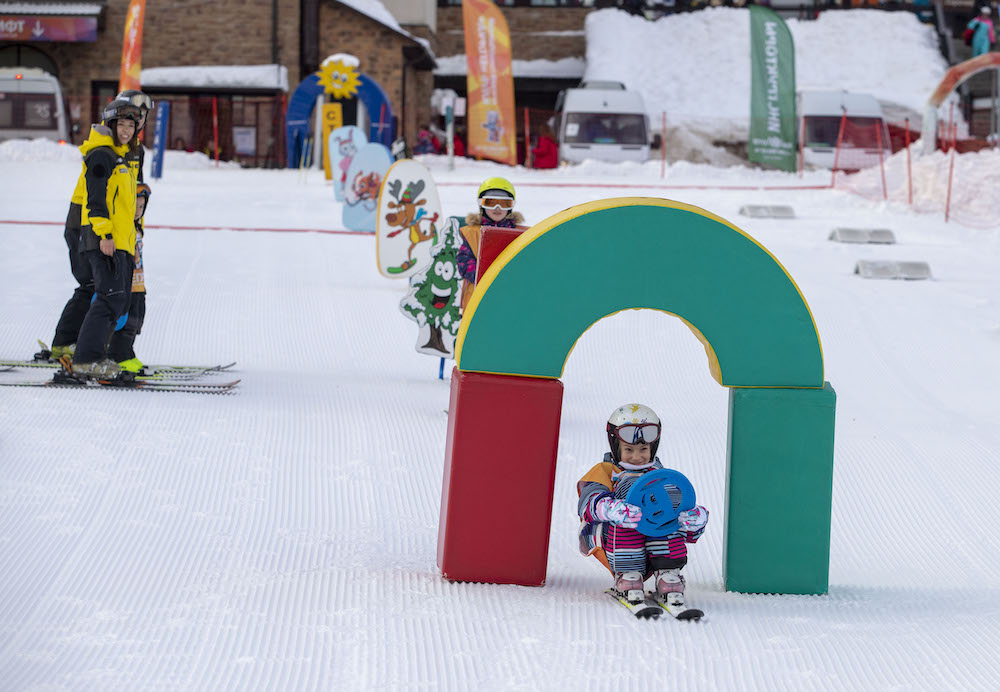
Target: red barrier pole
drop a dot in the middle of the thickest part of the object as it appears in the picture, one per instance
(215, 127)
(527, 140)
(381, 125)
(881, 162)
(836, 154)
(909, 173)
(663, 146)
(951, 173)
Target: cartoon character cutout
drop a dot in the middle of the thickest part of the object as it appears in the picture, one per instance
(409, 214)
(364, 190)
(493, 126)
(347, 149)
(435, 298)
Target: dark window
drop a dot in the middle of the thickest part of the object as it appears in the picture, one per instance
(6, 111)
(859, 133)
(605, 128)
(39, 111)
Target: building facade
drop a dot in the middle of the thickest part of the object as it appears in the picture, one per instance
(294, 34)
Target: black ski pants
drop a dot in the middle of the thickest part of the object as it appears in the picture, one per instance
(121, 346)
(112, 290)
(68, 327)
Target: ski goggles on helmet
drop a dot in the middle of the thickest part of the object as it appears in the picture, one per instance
(139, 100)
(638, 433)
(504, 203)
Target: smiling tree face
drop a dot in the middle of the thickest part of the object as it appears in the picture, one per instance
(435, 298)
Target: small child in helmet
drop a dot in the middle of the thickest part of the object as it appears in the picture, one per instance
(609, 522)
(120, 348)
(496, 209)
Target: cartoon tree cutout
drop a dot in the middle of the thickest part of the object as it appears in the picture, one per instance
(435, 298)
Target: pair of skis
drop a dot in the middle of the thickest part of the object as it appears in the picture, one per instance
(652, 606)
(163, 378)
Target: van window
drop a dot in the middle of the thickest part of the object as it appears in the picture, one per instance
(39, 111)
(821, 131)
(605, 128)
(6, 112)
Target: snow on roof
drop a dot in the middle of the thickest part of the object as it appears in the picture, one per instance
(217, 76)
(57, 8)
(563, 68)
(377, 11)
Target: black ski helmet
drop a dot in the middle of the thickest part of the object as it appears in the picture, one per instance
(118, 109)
(140, 100)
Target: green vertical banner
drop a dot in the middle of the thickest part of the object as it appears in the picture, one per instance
(772, 90)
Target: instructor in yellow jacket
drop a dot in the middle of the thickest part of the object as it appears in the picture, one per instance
(108, 235)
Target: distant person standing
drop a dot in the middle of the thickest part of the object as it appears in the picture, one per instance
(983, 35)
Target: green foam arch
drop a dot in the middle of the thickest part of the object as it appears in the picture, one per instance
(592, 260)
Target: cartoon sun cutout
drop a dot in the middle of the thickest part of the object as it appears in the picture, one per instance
(339, 77)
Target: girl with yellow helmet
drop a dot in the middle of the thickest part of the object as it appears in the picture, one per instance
(495, 198)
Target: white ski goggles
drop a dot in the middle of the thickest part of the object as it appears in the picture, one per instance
(638, 433)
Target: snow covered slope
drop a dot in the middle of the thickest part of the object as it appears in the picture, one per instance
(284, 537)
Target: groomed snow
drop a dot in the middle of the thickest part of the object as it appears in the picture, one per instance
(285, 537)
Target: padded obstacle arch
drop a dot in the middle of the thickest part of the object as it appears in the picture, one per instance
(760, 341)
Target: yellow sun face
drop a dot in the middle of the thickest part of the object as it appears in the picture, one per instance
(339, 79)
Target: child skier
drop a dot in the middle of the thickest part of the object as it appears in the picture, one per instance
(496, 209)
(120, 349)
(609, 522)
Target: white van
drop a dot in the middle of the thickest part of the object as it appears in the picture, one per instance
(603, 121)
(31, 105)
(864, 129)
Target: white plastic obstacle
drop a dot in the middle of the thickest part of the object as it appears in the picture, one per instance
(763, 211)
(885, 269)
(881, 236)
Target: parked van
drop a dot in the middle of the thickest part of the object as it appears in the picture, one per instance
(603, 121)
(31, 105)
(864, 129)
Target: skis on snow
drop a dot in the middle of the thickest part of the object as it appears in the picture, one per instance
(64, 378)
(653, 606)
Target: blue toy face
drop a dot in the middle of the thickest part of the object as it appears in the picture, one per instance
(661, 495)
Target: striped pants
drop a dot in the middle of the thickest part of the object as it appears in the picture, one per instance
(628, 550)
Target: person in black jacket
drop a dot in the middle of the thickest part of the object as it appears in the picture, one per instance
(68, 326)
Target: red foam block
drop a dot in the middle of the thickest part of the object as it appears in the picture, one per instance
(499, 476)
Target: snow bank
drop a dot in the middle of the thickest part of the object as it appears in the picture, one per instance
(696, 65)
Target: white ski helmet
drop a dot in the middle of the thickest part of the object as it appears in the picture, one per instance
(633, 424)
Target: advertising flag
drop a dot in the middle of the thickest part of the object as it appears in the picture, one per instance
(132, 46)
(490, 118)
(772, 90)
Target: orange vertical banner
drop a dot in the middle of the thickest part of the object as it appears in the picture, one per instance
(490, 111)
(132, 46)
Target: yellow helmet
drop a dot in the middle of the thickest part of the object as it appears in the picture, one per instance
(496, 184)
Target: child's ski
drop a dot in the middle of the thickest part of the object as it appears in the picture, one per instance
(678, 612)
(643, 609)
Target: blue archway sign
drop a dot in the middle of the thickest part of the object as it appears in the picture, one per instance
(298, 117)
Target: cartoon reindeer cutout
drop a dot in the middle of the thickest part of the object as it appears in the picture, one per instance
(409, 214)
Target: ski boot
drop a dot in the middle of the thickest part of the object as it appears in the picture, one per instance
(105, 369)
(132, 365)
(629, 585)
(670, 587)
